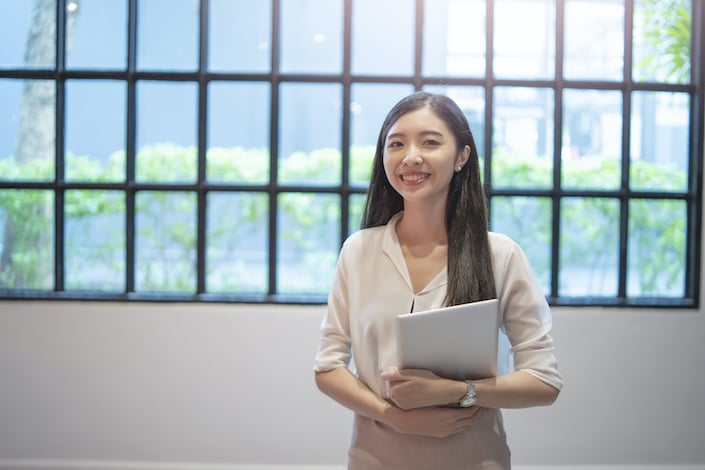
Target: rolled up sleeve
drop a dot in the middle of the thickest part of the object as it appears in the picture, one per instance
(527, 319)
(334, 349)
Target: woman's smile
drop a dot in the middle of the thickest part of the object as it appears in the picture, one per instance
(414, 178)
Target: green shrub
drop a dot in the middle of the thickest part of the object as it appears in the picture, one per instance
(29, 213)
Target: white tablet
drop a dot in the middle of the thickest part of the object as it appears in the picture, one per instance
(457, 342)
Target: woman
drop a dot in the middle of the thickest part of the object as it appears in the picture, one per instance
(424, 244)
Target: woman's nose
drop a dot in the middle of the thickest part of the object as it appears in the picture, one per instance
(413, 156)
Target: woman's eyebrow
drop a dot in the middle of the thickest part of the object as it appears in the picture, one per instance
(433, 133)
(421, 134)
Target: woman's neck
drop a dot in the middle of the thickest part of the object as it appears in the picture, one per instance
(424, 244)
(422, 226)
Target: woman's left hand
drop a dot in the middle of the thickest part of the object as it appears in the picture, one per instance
(418, 388)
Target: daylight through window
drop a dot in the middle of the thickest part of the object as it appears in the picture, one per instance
(219, 150)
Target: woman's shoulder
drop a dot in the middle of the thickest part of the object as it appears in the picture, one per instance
(502, 246)
(367, 237)
(364, 237)
(501, 241)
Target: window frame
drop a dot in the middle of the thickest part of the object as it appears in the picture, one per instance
(693, 197)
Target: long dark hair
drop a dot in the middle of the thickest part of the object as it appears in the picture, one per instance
(470, 276)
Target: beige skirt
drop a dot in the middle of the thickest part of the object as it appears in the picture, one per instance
(482, 447)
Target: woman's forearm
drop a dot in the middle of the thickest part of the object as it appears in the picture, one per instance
(342, 386)
(518, 389)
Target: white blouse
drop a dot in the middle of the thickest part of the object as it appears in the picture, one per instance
(372, 286)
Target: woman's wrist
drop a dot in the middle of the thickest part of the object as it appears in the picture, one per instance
(457, 391)
(389, 414)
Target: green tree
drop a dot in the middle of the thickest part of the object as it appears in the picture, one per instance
(35, 143)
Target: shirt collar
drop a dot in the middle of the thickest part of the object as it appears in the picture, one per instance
(392, 249)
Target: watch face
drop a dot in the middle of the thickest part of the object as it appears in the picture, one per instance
(467, 401)
(471, 397)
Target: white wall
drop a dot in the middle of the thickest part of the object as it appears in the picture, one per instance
(232, 385)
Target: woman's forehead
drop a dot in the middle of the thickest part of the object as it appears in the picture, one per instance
(422, 120)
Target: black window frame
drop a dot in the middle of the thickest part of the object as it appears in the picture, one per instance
(202, 77)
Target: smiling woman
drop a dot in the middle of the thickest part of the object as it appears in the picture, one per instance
(425, 245)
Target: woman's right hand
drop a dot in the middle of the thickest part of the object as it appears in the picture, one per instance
(433, 421)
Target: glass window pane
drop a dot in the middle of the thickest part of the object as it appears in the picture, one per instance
(27, 129)
(369, 105)
(661, 39)
(94, 240)
(10, 112)
(27, 34)
(383, 37)
(357, 208)
(165, 245)
(592, 139)
(238, 132)
(167, 35)
(532, 56)
(527, 221)
(454, 38)
(95, 130)
(522, 137)
(657, 238)
(166, 148)
(26, 239)
(97, 22)
(471, 100)
(308, 242)
(660, 125)
(245, 23)
(309, 133)
(361, 158)
(311, 36)
(589, 247)
(594, 40)
(237, 243)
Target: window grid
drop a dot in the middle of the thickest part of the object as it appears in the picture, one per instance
(131, 76)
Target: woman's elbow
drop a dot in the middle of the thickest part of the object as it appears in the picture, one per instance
(317, 378)
(550, 395)
(322, 379)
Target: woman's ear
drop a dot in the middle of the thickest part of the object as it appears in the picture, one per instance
(463, 157)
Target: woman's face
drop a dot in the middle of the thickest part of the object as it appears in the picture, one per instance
(420, 157)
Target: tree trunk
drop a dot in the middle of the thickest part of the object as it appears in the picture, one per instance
(36, 141)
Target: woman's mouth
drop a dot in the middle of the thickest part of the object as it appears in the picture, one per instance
(413, 177)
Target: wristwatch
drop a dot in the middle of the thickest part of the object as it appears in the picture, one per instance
(470, 398)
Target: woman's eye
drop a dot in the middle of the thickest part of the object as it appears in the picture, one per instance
(431, 142)
(394, 144)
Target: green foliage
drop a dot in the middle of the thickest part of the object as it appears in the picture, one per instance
(32, 170)
(166, 163)
(662, 245)
(665, 35)
(29, 260)
(84, 168)
(318, 167)
(591, 174)
(644, 175)
(361, 157)
(520, 172)
(238, 165)
(166, 245)
(166, 235)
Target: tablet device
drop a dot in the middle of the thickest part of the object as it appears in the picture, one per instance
(457, 342)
